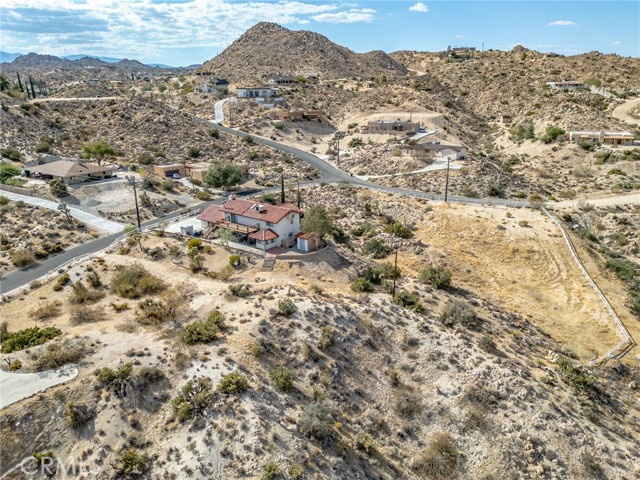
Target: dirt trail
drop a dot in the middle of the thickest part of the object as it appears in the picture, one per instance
(622, 112)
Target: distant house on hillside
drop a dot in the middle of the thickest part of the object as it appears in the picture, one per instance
(566, 85)
(506, 119)
(281, 80)
(383, 126)
(605, 138)
(264, 226)
(70, 171)
(292, 115)
(452, 152)
(256, 92)
(214, 85)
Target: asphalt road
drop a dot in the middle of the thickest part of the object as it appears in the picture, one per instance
(328, 172)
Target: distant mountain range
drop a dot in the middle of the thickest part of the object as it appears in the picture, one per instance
(82, 58)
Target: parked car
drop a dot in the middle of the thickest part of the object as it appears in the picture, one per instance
(176, 175)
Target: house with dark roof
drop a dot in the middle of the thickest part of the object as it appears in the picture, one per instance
(264, 226)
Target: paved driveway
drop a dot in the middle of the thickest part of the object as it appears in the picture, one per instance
(16, 386)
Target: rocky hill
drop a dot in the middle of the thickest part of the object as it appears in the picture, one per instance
(268, 49)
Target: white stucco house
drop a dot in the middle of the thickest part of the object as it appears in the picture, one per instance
(256, 92)
(264, 226)
(452, 152)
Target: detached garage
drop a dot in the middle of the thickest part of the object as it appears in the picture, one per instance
(169, 170)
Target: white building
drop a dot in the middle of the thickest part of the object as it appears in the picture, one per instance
(256, 92)
(264, 226)
(565, 85)
(606, 138)
(452, 152)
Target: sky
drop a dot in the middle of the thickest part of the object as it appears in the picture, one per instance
(184, 32)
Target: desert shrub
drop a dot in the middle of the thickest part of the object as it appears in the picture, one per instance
(361, 285)
(551, 134)
(29, 337)
(591, 466)
(57, 354)
(326, 338)
(15, 365)
(22, 258)
(623, 269)
(233, 382)
(81, 295)
(193, 399)
(133, 464)
(202, 332)
(120, 307)
(85, 314)
(439, 458)
(286, 307)
(458, 312)
(399, 230)
(151, 375)
(4, 331)
(46, 459)
(380, 272)
(282, 378)
(115, 380)
(203, 195)
(4, 200)
(134, 281)
(316, 421)
(46, 310)
(408, 404)
(239, 289)
(61, 282)
(437, 276)
(77, 415)
(194, 243)
(93, 279)
(296, 471)
(375, 248)
(408, 300)
(487, 344)
(270, 471)
(575, 376)
(234, 260)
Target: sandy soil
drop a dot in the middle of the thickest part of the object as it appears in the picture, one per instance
(623, 111)
(526, 269)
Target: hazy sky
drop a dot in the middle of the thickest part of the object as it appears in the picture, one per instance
(182, 32)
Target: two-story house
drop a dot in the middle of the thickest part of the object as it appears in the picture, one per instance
(261, 225)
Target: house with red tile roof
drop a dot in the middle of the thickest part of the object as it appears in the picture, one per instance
(257, 224)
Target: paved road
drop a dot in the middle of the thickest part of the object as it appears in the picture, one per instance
(219, 114)
(632, 198)
(16, 386)
(86, 217)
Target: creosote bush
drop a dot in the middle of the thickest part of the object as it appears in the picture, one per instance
(86, 314)
(239, 289)
(439, 459)
(132, 464)
(361, 285)
(77, 415)
(375, 248)
(232, 383)
(204, 331)
(437, 276)
(408, 300)
(134, 281)
(286, 307)
(115, 380)
(399, 230)
(458, 312)
(316, 421)
(193, 399)
(29, 337)
(282, 378)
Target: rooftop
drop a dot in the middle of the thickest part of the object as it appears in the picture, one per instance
(70, 168)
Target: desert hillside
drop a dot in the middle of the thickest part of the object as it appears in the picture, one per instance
(269, 49)
(277, 375)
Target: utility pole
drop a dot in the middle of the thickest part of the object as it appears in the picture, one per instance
(395, 270)
(298, 196)
(132, 181)
(446, 183)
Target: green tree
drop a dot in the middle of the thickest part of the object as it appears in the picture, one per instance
(58, 187)
(317, 222)
(7, 171)
(4, 82)
(97, 151)
(223, 174)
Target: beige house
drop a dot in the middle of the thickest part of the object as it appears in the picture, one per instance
(605, 138)
(169, 169)
(256, 92)
(71, 171)
(384, 126)
(452, 152)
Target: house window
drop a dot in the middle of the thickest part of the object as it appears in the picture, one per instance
(291, 234)
(269, 224)
(291, 218)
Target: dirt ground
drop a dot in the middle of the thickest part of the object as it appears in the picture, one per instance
(526, 269)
